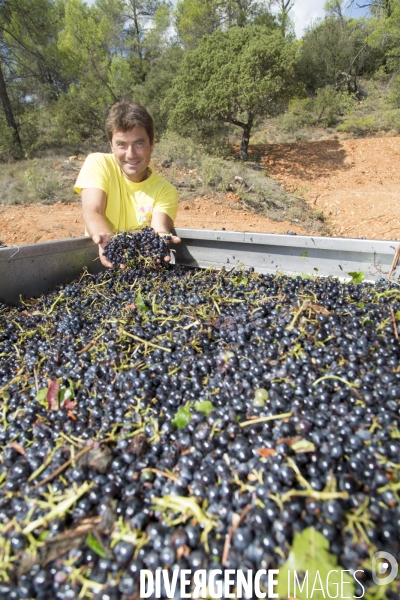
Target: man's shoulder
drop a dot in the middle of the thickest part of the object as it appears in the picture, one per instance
(100, 158)
(161, 181)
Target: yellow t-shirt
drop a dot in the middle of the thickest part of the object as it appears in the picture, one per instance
(129, 205)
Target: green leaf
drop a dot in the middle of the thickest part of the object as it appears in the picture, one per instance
(95, 545)
(65, 394)
(182, 417)
(140, 303)
(41, 397)
(303, 446)
(304, 255)
(244, 281)
(356, 277)
(72, 387)
(310, 555)
(204, 407)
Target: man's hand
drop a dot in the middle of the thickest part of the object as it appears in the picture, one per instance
(174, 240)
(102, 240)
(162, 224)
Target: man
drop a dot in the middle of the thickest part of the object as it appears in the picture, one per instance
(119, 190)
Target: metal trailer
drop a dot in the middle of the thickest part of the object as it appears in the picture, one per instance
(31, 270)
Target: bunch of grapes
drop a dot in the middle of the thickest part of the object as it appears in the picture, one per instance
(186, 419)
(129, 247)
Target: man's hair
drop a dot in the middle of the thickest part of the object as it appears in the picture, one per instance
(124, 115)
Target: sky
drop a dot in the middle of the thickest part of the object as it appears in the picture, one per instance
(304, 12)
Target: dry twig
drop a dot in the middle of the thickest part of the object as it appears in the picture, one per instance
(67, 463)
(232, 530)
(395, 261)
(396, 333)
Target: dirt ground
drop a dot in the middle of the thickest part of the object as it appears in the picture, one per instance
(354, 182)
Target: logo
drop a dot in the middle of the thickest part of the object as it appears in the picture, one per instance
(384, 568)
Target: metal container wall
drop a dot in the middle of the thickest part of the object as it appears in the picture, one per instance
(34, 269)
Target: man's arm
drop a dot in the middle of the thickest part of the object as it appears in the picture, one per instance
(162, 224)
(93, 209)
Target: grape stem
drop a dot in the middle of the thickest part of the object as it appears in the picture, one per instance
(351, 385)
(59, 510)
(145, 342)
(264, 419)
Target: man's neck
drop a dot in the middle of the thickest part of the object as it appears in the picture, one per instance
(145, 175)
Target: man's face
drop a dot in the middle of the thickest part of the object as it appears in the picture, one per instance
(132, 150)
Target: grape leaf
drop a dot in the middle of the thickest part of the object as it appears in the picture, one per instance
(204, 406)
(303, 446)
(182, 417)
(95, 545)
(140, 303)
(41, 397)
(64, 395)
(310, 555)
(356, 277)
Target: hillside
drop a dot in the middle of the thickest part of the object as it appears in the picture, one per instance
(355, 183)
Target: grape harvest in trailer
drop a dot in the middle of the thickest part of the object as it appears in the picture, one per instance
(175, 418)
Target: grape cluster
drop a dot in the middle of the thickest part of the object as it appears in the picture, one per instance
(131, 400)
(129, 247)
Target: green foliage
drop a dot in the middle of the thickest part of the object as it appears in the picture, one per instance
(329, 104)
(47, 180)
(394, 94)
(335, 52)
(93, 543)
(231, 77)
(216, 173)
(385, 37)
(140, 303)
(310, 555)
(324, 109)
(196, 18)
(204, 69)
(182, 418)
(180, 150)
(6, 139)
(89, 61)
(159, 80)
(204, 407)
(358, 125)
(356, 276)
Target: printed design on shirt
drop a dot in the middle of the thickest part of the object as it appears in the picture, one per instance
(144, 214)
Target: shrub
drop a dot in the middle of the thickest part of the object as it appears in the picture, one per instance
(358, 125)
(178, 149)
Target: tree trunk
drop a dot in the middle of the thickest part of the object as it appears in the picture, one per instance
(246, 138)
(5, 100)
